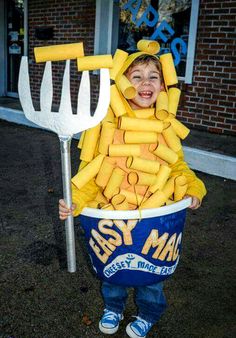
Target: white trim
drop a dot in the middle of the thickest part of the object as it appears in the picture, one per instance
(211, 163)
(137, 214)
(191, 41)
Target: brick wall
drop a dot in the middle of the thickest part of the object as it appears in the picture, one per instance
(210, 102)
(73, 21)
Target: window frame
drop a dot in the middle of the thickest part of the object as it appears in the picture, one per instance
(106, 33)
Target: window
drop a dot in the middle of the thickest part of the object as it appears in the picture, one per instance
(122, 23)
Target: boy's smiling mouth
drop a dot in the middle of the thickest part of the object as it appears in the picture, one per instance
(146, 94)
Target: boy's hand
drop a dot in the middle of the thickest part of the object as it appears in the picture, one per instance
(195, 202)
(64, 211)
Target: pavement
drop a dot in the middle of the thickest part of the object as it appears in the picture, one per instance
(40, 299)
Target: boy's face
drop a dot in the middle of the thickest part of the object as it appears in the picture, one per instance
(147, 81)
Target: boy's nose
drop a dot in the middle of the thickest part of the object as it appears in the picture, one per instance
(146, 81)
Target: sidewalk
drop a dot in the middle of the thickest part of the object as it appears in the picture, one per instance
(40, 299)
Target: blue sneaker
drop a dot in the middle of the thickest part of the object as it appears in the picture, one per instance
(139, 328)
(110, 321)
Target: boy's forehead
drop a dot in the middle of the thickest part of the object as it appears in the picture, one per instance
(139, 67)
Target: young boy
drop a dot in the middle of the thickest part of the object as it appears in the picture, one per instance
(144, 73)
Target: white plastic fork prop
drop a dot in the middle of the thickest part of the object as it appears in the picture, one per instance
(64, 123)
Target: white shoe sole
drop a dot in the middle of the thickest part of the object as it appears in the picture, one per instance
(108, 330)
(131, 333)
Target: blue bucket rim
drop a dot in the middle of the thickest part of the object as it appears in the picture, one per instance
(137, 214)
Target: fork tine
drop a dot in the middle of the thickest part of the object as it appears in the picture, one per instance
(65, 103)
(46, 90)
(104, 97)
(24, 89)
(83, 101)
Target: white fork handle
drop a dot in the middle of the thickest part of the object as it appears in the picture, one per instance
(65, 142)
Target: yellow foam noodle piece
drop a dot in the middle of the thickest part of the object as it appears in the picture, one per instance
(180, 187)
(132, 178)
(104, 173)
(136, 124)
(171, 138)
(162, 102)
(142, 164)
(59, 52)
(161, 178)
(143, 178)
(168, 69)
(119, 202)
(165, 153)
(92, 204)
(81, 140)
(180, 129)
(169, 202)
(144, 113)
(108, 206)
(88, 172)
(161, 115)
(110, 117)
(94, 62)
(156, 200)
(149, 46)
(107, 134)
(126, 87)
(140, 137)
(131, 197)
(100, 198)
(116, 102)
(124, 150)
(89, 143)
(173, 102)
(118, 61)
(169, 187)
(114, 183)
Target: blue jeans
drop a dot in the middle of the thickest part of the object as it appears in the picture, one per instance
(149, 299)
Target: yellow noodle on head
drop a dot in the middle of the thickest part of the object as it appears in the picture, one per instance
(171, 138)
(161, 178)
(94, 62)
(59, 52)
(118, 61)
(181, 187)
(104, 173)
(173, 102)
(126, 87)
(89, 143)
(132, 178)
(156, 200)
(88, 172)
(135, 124)
(117, 104)
(119, 202)
(168, 69)
(180, 129)
(142, 164)
(124, 150)
(140, 137)
(114, 183)
(107, 134)
(149, 46)
(165, 153)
